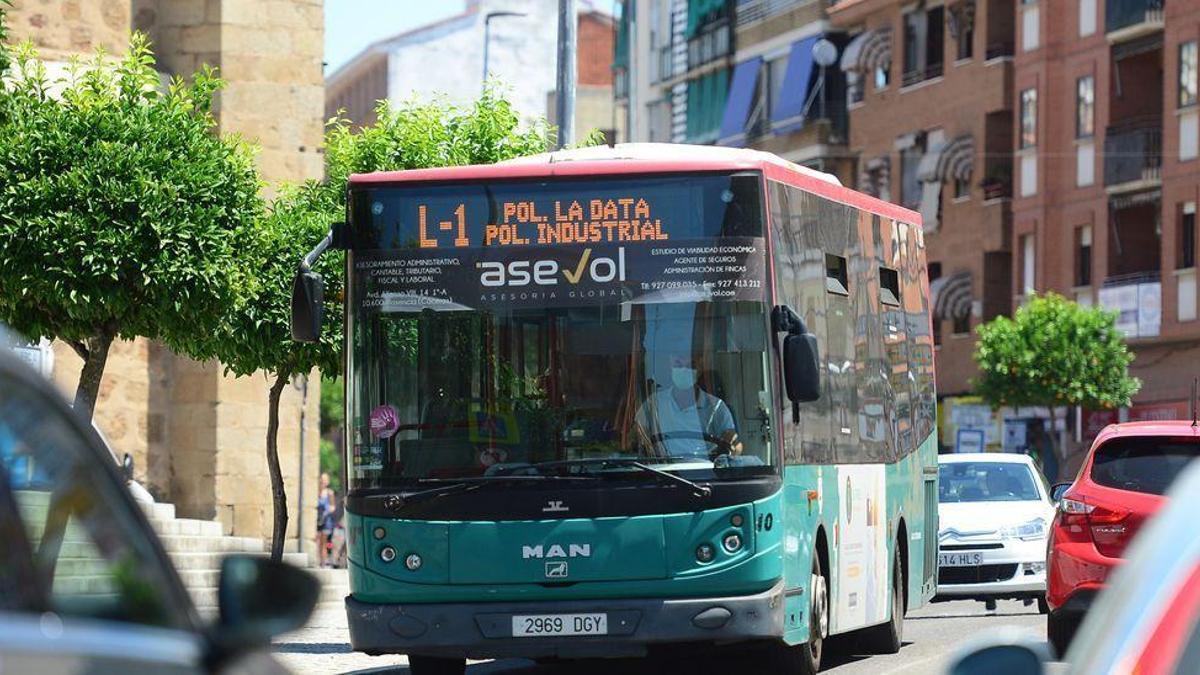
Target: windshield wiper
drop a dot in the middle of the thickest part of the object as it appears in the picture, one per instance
(446, 486)
(701, 491)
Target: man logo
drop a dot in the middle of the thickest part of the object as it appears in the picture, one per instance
(554, 506)
(556, 570)
(556, 551)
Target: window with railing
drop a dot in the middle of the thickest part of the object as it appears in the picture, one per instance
(924, 44)
(1133, 151)
(709, 43)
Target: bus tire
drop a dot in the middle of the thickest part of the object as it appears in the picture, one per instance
(887, 638)
(436, 665)
(805, 659)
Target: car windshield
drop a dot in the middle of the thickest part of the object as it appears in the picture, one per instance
(483, 355)
(1147, 465)
(986, 482)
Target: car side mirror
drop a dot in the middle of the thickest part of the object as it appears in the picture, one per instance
(1057, 491)
(1003, 659)
(801, 368)
(258, 599)
(308, 306)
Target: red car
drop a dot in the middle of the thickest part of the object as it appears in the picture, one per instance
(1120, 486)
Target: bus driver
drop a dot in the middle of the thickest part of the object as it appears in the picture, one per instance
(679, 418)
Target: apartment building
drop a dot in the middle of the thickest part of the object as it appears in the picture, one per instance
(741, 74)
(931, 122)
(1107, 147)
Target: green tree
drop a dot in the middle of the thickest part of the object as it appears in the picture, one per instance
(409, 136)
(122, 211)
(1057, 354)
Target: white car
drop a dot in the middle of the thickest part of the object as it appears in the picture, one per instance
(994, 511)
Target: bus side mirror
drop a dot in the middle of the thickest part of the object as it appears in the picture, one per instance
(801, 367)
(308, 306)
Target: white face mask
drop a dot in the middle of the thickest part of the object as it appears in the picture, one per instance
(683, 378)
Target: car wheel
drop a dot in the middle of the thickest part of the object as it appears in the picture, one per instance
(1060, 630)
(436, 665)
(1043, 606)
(887, 638)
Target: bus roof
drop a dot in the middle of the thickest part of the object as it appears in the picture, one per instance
(634, 158)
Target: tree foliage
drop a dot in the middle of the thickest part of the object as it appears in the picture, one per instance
(1054, 353)
(122, 211)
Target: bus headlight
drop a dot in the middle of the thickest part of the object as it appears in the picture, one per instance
(387, 554)
(413, 562)
(732, 543)
(705, 553)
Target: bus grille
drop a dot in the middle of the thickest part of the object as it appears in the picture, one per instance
(980, 574)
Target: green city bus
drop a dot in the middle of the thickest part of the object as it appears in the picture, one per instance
(611, 402)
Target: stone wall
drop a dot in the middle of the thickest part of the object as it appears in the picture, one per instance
(60, 28)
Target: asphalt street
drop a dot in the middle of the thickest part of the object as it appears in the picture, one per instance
(932, 636)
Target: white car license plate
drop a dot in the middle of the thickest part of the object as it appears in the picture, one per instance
(560, 624)
(959, 559)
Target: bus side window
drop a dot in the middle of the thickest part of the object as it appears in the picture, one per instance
(800, 284)
(920, 338)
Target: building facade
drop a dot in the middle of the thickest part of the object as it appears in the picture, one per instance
(593, 78)
(1107, 149)
(198, 437)
(520, 36)
(732, 73)
(930, 102)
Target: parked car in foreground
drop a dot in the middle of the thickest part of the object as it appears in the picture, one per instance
(85, 585)
(993, 510)
(1120, 485)
(1147, 621)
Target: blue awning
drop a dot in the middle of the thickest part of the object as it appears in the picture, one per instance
(788, 114)
(741, 97)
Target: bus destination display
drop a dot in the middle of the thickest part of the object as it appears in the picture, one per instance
(479, 251)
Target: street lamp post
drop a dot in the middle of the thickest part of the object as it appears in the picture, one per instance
(487, 34)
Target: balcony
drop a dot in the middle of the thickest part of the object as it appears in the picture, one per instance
(753, 11)
(1126, 19)
(1133, 153)
(920, 75)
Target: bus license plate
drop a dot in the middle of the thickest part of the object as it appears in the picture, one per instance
(560, 624)
(959, 559)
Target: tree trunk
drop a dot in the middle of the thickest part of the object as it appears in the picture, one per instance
(1063, 445)
(95, 356)
(278, 494)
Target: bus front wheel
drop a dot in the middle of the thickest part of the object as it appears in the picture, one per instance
(434, 665)
(805, 659)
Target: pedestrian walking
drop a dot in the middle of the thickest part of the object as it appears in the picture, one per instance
(326, 506)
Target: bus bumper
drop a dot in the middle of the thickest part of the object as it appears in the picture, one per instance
(484, 630)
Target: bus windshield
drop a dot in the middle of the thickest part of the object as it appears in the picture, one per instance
(507, 328)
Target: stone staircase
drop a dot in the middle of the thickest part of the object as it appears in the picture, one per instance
(197, 546)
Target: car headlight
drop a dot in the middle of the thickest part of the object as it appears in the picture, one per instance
(1034, 529)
